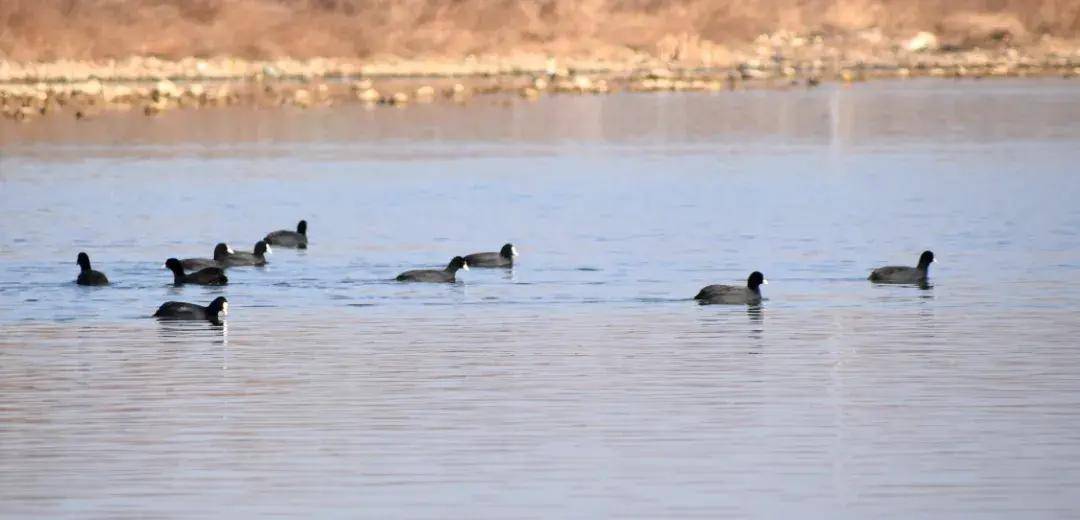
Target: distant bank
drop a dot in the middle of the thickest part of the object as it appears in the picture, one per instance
(684, 30)
(81, 90)
(80, 58)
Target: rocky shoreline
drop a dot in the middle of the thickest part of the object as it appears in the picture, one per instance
(81, 89)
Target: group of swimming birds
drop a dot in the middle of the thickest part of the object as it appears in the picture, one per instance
(211, 271)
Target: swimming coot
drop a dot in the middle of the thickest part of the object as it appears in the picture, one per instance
(285, 238)
(89, 276)
(221, 252)
(207, 276)
(504, 258)
(904, 274)
(435, 275)
(244, 258)
(189, 311)
(749, 295)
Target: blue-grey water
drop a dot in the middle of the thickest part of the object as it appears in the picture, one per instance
(584, 382)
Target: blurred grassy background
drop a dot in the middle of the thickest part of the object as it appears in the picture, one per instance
(261, 29)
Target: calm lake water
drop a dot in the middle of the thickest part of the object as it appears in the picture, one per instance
(584, 382)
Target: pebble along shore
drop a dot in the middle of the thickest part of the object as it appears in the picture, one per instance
(151, 86)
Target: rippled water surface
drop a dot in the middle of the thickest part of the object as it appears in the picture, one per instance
(584, 382)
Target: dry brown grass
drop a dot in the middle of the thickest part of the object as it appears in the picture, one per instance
(92, 29)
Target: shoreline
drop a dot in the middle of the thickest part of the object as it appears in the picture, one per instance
(82, 89)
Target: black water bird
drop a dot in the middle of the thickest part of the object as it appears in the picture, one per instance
(88, 276)
(286, 238)
(221, 252)
(207, 276)
(435, 275)
(239, 258)
(189, 311)
(732, 294)
(904, 274)
(504, 258)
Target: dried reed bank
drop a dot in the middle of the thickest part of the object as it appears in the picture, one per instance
(48, 30)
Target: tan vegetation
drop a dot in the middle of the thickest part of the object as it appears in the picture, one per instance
(79, 58)
(47, 30)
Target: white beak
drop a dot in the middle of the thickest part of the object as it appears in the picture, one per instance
(230, 250)
(163, 266)
(513, 251)
(224, 309)
(764, 282)
(268, 250)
